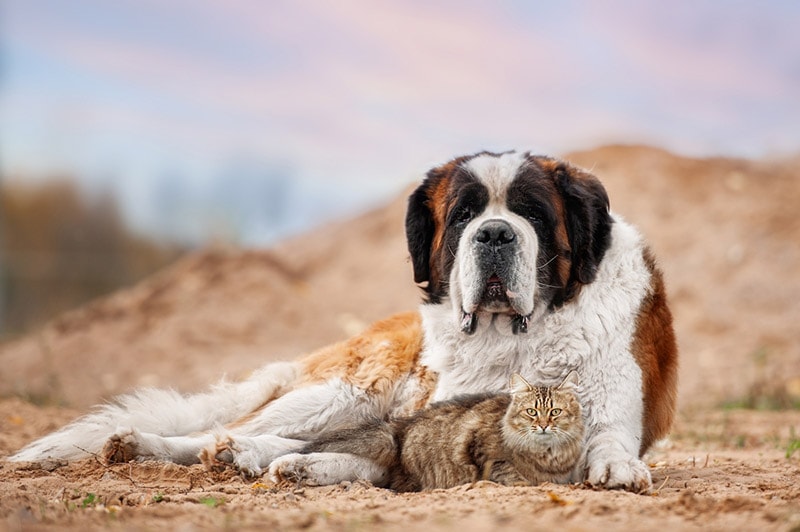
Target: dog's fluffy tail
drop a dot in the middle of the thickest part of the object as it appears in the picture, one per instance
(163, 412)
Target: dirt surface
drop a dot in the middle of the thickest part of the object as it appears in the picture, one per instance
(726, 232)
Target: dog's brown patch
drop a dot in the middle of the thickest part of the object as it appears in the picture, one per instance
(563, 262)
(439, 205)
(656, 352)
(374, 360)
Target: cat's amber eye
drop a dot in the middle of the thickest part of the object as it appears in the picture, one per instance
(531, 412)
(554, 412)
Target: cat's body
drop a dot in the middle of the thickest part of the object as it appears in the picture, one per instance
(532, 435)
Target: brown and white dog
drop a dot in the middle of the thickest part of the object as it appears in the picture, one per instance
(524, 270)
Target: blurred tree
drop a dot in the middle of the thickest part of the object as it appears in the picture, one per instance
(60, 249)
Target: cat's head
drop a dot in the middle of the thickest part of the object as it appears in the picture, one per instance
(544, 412)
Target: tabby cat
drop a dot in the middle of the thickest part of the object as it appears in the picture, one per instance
(530, 435)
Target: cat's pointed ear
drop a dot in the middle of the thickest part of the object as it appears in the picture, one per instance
(519, 384)
(570, 381)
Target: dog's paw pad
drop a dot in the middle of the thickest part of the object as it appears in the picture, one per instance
(217, 457)
(237, 453)
(121, 447)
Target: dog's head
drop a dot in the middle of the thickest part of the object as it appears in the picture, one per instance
(506, 233)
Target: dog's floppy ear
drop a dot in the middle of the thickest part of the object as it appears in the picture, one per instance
(419, 233)
(588, 223)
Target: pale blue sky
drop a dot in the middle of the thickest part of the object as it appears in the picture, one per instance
(351, 100)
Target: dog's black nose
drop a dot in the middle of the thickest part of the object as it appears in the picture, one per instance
(495, 233)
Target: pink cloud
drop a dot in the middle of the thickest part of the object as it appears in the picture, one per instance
(363, 80)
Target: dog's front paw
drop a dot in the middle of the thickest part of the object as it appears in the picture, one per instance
(289, 468)
(123, 446)
(246, 458)
(619, 471)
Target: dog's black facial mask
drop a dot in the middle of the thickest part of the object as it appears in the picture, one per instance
(450, 197)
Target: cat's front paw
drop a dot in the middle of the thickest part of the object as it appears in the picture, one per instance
(619, 472)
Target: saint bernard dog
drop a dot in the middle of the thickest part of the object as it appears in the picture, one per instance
(524, 270)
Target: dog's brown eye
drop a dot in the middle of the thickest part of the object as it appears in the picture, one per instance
(554, 412)
(463, 216)
(535, 219)
(531, 412)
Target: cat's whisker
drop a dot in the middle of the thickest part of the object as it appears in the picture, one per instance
(567, 437)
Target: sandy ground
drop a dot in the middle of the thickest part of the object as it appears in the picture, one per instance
(720, 471)
(726, 232)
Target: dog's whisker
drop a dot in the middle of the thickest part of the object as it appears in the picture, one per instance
(554, 257)
(542, 285)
